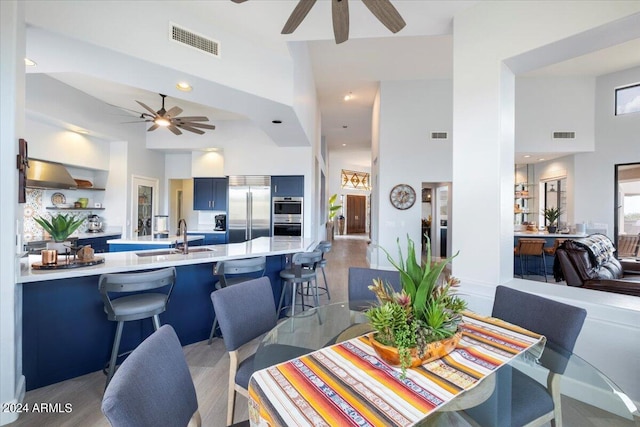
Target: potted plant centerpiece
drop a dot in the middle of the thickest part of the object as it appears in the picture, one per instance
(420, 323)
(552, 215)
(60, 227)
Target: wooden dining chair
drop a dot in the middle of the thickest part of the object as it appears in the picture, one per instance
(153, 386)
(532, 404)
(244, 311)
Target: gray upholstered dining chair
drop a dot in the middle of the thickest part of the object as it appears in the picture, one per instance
(532, 404)
(360, 297)
(244, 311)
(234, 271)
(153, 386)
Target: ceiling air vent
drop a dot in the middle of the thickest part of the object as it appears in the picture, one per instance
(439, 135)
(194, 40)
(564, 135)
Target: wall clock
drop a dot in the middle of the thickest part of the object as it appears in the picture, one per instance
(402, 196)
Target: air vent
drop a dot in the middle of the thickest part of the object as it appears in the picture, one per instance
(439, 135)
(194, 40)
(564, 135)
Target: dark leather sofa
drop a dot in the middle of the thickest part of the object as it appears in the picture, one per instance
(575, 264)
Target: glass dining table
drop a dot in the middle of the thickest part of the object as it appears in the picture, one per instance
(586, 393)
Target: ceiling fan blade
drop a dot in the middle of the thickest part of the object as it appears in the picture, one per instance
(196, 125)
(299, 13)
(386, 13)
(153, 127)
(340, 14)
(174, 129)
(139, 121)
(193, 119)
(173, 112)
(238, 1)
(146, 107)
(190, 129)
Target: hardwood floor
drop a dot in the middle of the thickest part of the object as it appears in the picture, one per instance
(209, 367)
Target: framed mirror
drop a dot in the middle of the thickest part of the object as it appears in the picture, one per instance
(627, 210)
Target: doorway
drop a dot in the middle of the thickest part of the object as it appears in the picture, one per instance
(356, 214)
(436, 211)
(143, 203)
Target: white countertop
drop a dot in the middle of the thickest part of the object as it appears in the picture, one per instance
(119, 262)
(545, 234)
(150, 240)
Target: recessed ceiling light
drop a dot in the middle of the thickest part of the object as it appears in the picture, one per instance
(348, 97)
(29, 63)
(344, 145)
(276, 122)
(184, 86)
(526, 156)
(541, 159)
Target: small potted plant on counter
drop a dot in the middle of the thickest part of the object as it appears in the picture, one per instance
(420, 323)
(551, 215)
(60, 227)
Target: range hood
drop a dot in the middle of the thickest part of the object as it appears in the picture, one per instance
(44, 174)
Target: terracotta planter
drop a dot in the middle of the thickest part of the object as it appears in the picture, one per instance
(435, 350)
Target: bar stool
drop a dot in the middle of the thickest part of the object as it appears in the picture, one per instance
(302, 270)
(236, 271)
(552, 250)
(324, 247)
(137, 306)
(530, 247)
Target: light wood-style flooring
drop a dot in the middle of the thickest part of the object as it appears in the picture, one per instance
(209, 367)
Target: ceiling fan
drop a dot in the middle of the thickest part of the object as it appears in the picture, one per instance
(170, 120)
(382, 9)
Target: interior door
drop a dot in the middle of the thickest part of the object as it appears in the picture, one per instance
(144, 203)
(356, 214)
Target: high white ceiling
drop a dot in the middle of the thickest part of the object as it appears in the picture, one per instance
(422, 50)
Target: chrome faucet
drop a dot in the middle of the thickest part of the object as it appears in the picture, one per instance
(182, 229)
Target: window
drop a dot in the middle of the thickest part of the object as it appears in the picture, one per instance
(355, 180)
(628, 99)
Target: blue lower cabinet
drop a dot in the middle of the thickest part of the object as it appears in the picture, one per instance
(212, 238)
(65, 331)
(125, 247)
(98, 244)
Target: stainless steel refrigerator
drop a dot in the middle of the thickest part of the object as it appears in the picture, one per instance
(249, 208)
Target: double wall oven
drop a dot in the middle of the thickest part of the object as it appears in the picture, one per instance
(287, 216)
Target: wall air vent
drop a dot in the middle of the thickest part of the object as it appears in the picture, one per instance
(564, 135)
(439, 135)
(196, 41)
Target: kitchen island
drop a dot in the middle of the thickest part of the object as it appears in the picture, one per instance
(65, 329)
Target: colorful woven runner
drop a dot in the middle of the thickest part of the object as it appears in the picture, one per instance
(347, 384)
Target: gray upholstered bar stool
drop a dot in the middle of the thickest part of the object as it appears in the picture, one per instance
(137, 306)
(302, 270)
(324, 247)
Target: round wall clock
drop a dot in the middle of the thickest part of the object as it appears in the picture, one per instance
(402, 196)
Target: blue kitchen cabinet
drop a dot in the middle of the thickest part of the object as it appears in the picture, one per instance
(212, 238)
(98, 244)
(210, 194)
(287, 186)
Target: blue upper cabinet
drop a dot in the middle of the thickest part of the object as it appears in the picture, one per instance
(287, 186)
(210, 194)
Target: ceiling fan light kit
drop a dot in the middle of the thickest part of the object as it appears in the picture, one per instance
(386, 13)
(170, 120)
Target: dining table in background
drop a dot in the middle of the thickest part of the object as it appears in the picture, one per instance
(318, 368)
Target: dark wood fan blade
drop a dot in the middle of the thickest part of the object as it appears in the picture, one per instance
(238, 1)
(386, 13)
(153, 127)
(196, 125)
(193, 119)
(190, 129)
(146, 107)
(174, 129)
(340, 14)
(299, 13)
(173, 112)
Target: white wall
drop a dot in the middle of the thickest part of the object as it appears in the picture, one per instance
(617, 141)
(554, 104)
(484, 117)
(409, 112)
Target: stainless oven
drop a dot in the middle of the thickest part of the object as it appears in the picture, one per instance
(287, 209)
(287, 216)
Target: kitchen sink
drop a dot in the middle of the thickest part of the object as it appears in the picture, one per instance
(173, 251)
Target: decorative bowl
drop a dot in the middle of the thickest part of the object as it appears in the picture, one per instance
(435, 350)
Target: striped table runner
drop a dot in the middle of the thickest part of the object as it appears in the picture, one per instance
(346, 384)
